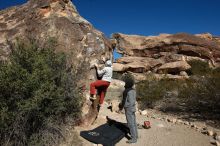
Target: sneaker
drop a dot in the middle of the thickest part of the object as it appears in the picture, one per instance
(131, 141)
(93, 97)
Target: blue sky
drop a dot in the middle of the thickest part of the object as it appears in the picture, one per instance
(147, 17)
(151, 17)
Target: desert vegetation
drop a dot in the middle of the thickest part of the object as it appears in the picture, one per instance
(38, 95)
(199, 94)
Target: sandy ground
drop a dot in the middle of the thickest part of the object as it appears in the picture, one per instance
(162, 133)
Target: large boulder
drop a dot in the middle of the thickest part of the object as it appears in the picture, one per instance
(119, 67)
(136, 64)
(182, 43)
(174, 67)
(42, 20)
(138, 76)
(46, 20)
(115, 90)
(166, 53)
(206, 36)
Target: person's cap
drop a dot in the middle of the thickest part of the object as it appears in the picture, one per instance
(108, 63)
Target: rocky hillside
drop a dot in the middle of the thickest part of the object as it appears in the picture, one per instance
(46, 20)
(165, 54)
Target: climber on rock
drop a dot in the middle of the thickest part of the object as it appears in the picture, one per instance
(103, 84)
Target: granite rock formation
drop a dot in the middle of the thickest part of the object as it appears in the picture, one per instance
(165, 53)
(41, 20)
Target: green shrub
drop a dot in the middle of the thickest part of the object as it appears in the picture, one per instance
(152, 90)
(200, 92)
(37, 94)
(199, 68)
(117, 75)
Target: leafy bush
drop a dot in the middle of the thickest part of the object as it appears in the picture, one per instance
(200, 92)
(117, 75)
(152, 89)
(37, 94)
(199, 68)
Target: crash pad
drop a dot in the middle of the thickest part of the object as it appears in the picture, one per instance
(107, 134)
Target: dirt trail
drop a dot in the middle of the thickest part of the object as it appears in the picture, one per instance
(162, 133)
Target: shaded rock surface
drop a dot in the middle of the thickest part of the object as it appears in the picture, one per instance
(173, 67)
(168, 52)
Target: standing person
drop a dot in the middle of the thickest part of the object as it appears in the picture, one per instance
(103, 84)
(128, 103)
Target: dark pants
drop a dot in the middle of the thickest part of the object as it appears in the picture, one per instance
(132, 124)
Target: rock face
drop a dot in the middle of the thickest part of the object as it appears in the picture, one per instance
(115, 90)
(174, 67)
(42, 20)
(59, 19)
(164, 52)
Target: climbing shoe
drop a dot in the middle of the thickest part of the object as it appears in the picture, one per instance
(93, 97)
(131, 141)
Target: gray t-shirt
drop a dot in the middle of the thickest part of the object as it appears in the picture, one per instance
(106, 73)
